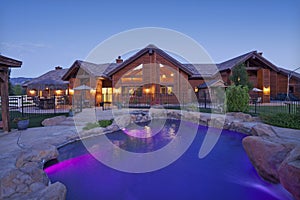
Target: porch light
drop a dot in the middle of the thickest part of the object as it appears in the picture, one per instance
(93, 91)
(266, 90)
(58, 92)
(71, 91)
(196, 89)
(32, 92)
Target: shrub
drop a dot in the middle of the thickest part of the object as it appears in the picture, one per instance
(237, 99)
(89, 126)
(104, 123)
(282, 120)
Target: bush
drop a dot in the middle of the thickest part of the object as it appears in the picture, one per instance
(104, 123)
(282, 120)
(237, 99)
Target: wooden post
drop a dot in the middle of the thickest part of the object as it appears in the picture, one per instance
(5, 64)
(4, 99)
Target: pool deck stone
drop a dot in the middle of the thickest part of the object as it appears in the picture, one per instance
(17, 143)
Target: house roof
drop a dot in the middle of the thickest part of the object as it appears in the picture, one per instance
(149, 49)
(193, 70)
(286, 72)
(9, 62)
(229, 64)
(202, 70)
(211, 83)
(52, 78)
(95, 70)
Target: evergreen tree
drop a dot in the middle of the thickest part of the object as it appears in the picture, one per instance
(240, 76)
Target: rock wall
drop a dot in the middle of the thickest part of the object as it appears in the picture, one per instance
(276, 157)
(25, 178)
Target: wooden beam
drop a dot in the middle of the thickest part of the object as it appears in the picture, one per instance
(5, 101)
(9, 62)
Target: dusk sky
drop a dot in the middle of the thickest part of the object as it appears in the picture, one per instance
(45, 34)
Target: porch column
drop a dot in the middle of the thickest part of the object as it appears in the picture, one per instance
(4, 98)
(263, 81)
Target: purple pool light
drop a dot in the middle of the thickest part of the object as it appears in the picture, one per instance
(226, 173)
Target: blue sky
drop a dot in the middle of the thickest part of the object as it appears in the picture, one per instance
(44, 34)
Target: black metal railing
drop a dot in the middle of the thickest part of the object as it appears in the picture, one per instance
(24, 106)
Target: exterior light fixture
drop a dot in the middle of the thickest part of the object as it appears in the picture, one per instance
(32, 92)
(266, 90)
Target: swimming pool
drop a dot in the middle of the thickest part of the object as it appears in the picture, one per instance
(226, 173)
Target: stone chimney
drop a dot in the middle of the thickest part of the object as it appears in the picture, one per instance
(119, 59)
(58, 68)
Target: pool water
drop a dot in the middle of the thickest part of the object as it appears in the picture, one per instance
(225, 173)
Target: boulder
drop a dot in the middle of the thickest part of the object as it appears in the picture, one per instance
(55, 191)
(122, 121)
(9, 182)
(94, 131)
(39, 154)
(54, 121)
(263, 130)
(191, 116)
(266, 156)
(239, 126)
(289, 173)
(217, 122)
(241, 116)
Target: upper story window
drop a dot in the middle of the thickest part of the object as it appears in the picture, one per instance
(134, 75)
(166, 74)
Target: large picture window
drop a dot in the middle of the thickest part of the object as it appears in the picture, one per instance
(133, 76)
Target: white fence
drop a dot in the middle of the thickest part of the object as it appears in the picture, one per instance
(18, 101)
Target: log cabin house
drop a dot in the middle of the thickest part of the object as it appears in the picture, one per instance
(152, 76)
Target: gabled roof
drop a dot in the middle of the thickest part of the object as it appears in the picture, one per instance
(193, 70)
(212, 83)
(9, 62)
(53, 77)
(229, 64)
(202, 70)
(150, 49)
(286, 73)
(95, 70)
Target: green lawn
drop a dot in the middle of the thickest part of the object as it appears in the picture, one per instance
(35, 120)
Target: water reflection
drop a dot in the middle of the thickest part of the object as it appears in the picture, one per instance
(145, 139)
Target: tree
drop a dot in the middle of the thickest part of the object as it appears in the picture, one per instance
(18, 90)
(240, 76)
(237, 99)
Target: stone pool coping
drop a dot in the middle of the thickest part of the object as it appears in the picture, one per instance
(23, 153)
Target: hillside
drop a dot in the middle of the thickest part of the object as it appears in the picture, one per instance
(19, 80)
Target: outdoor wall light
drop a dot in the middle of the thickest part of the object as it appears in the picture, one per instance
(32, 92)
(71, 91)
(266, 90)
(196, 89)
(93, 91)
(58, 92)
